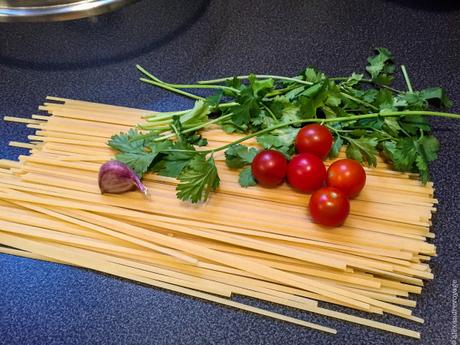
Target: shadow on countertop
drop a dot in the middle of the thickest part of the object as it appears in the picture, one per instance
(97, 41)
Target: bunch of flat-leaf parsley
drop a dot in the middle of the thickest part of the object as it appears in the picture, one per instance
(367, 115)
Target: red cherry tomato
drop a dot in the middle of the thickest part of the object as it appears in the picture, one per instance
(315, 139)
(329, 206)
(306, 172)
(269, 168)
(347, 175)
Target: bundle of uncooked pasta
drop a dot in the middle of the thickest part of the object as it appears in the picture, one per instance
(254, 242)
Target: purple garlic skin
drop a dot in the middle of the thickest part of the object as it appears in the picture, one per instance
(116, 177)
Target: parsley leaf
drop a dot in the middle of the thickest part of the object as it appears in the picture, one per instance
(402, 153)
(363, 150)
(234, 83)
(335, 149)
(197, 115)
(381, 66)
(121, 142)
(312, 75)
(411, 154)
(411, 100)
(323, 95)
(249, 100)
(422, 166)
(138, 161)
(413, 124)
(436, 94)
(368, 96)
(230, 127)
(419, 100)
(353, 80)
(191, 138)
(137, 154)
(427, 148)
(290, 113)
(391, 126)
(260, 87)
(197, 179)
(263, 120)
(247, 108)
(430, 146)
(246, 179)
(384, 100)
(214, 100)
(293, 93)
(173, 162)
(281, 139)
(237, 156)
(285, 110)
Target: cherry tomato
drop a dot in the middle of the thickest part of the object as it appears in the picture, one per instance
(347, 175)
(269, 168)
(306, 172)
(329, 206)
(315, 139)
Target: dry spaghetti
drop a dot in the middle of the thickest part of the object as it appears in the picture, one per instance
(254, 242)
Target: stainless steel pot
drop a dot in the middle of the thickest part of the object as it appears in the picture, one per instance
(55, 10)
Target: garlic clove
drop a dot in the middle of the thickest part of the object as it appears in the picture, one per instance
(116, 177)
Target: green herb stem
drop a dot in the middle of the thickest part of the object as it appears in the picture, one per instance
(406, 78)
(200, 86)
(357, 100)
(172, 89)
(159, 122)
(337, 119)
(164, 115)
(176, 131)
(168, 115)
(270, 112)
(294, 80)
(258, 76)
(368, 81)
(146, 73)
(421, 113)
(157, 130)
(299, 81)
(316, 120)
(192, 129)
(155, 126)
(279, 91)
(184, 86)
(227, 105)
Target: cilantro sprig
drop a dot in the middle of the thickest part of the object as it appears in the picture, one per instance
(367, 115)
(197, 179)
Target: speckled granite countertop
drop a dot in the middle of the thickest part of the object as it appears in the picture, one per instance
(43, 303)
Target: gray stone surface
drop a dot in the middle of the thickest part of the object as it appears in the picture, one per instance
(43, 303)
